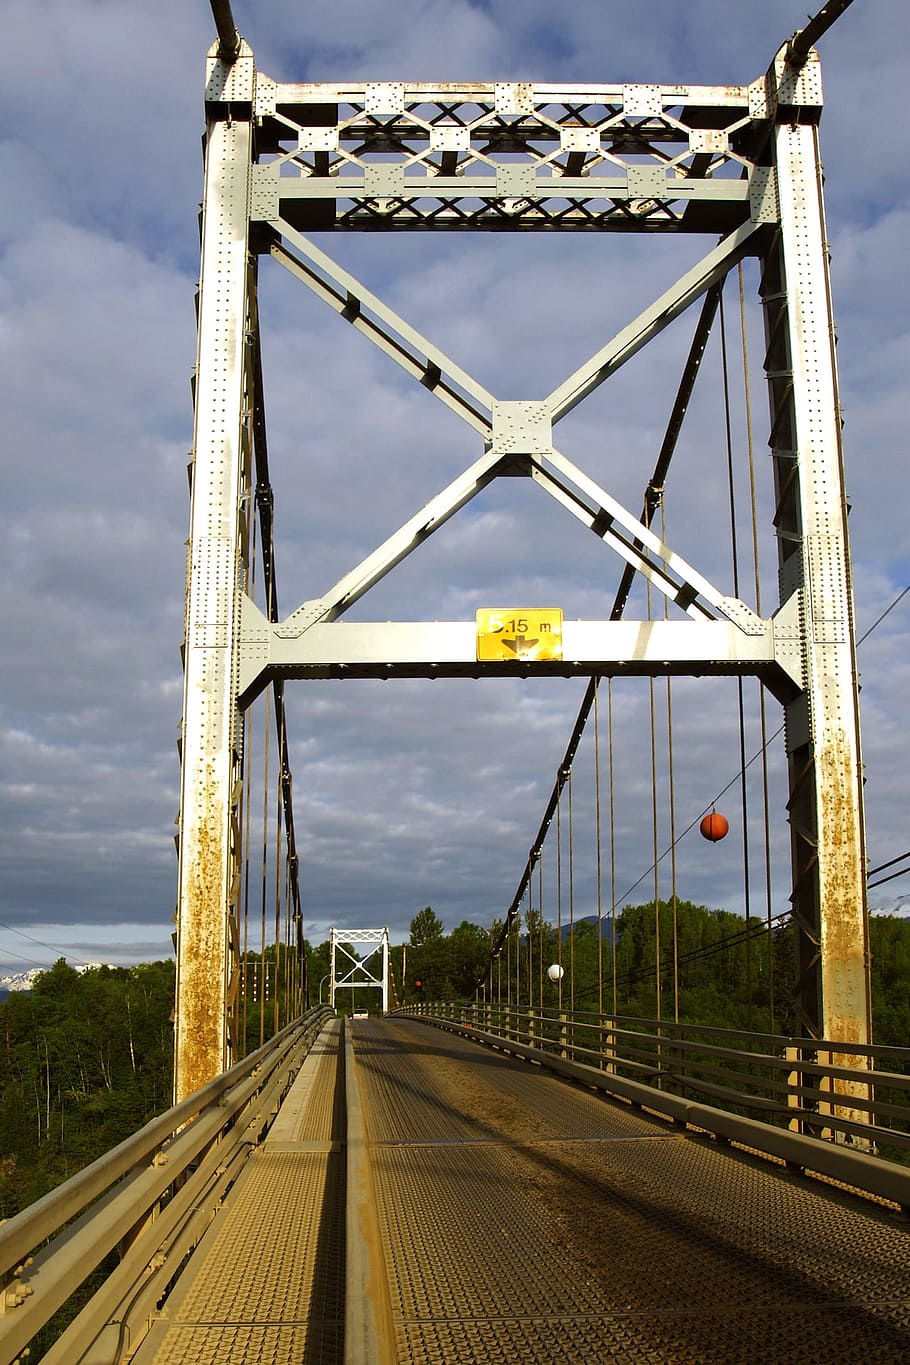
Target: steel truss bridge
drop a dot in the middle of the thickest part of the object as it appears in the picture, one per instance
(503, 1179)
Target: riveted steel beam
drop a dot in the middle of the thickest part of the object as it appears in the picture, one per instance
(449, 649)
(208, 872)
(823, 745)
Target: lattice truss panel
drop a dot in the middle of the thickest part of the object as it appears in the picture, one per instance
(510, 155)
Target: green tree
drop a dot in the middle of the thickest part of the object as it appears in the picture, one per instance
(428, 958)
(85, 1059)
(426, 927)
(469, 951)
(890, 942)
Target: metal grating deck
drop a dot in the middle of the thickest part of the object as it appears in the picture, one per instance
(266, 1283)
(530, 1221)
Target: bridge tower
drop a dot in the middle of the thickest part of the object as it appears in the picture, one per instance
(738, 165)
(348, 971)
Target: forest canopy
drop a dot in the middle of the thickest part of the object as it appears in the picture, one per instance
(86, 1057)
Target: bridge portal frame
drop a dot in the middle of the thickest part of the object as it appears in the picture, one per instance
(359, 975)
(740, 162)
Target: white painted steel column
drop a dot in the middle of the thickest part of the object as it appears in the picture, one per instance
(333, 939)
(211, 763)
(822, 730)
(385, 970)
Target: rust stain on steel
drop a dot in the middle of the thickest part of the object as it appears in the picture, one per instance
(200, 1005)
(843, 916)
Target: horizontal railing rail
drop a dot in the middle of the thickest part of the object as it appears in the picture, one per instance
(150, 1199)
(798, 1098)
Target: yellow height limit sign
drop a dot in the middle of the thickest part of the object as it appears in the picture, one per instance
(519, 634)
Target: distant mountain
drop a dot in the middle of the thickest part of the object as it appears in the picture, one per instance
(25, 981)
(899, 907)
(606, 927)
(19, 981)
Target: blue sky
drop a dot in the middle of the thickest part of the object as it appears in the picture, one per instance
(406, 793)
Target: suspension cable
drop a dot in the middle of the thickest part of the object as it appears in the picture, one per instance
(264, 877)
(530, 914)
(653, 494)
(805, 39)
(740, 693)
(265, 518)
(597, 849)
(228, 37)
(571, 834)
(246, 814)
(757, 930)
(612, 846)
(757, 755)
(276, 1022)
(616, 900)
(541, 945)
(517, 1000)
(654, 835)
(559, 894)
(756, 562)
(651, 502)
(671, 793)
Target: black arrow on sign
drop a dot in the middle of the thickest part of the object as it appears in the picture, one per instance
(520, 644)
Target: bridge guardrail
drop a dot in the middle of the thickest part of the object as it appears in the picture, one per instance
(813, 1103)
(166, 1180)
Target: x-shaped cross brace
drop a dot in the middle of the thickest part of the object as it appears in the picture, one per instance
(518, 439)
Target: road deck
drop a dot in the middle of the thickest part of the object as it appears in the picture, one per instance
(531, 1222)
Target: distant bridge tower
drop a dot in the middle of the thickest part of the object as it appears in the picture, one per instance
(737, 163)
(348, 970)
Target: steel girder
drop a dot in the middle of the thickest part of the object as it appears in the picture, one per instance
(738, 162)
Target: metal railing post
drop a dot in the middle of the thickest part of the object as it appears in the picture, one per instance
(608, 1050)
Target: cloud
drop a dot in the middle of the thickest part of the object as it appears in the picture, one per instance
(406, 793)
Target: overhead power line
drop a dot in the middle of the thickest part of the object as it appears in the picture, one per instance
(890, 863)
(51, 947)
(881, 618)
(34, 961)
(756, 929)
(757, 755)
(563, 773)
(892, 877)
